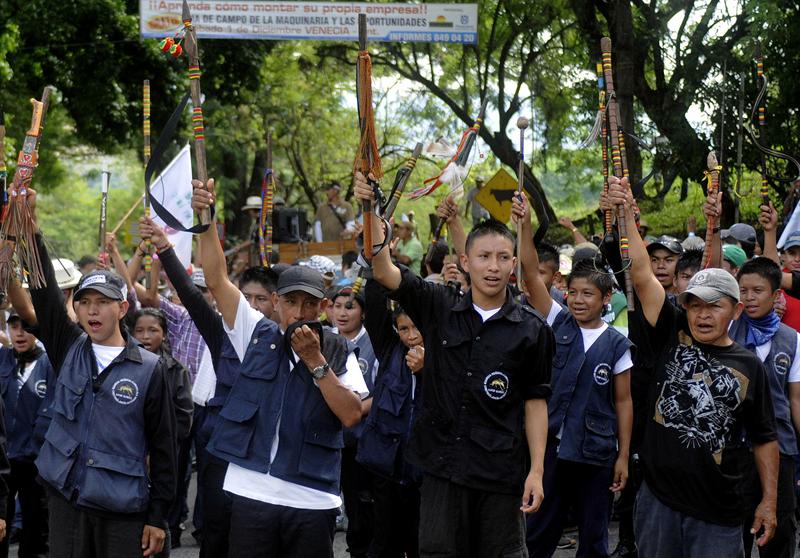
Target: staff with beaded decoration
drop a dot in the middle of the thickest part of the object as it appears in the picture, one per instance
(148, 258)
(265, 221)
(618, 162)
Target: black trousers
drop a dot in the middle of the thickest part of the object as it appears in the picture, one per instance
(21, 481)
(783, 543)
(456, 521)
(261, 530)
(74, 533)
(216, 513)
(396, 529)
(357, 496)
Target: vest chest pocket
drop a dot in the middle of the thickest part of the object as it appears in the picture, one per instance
(392, 398)
(66, 400)
(114, 482)
(321, 454)
(57, 456)
(600, 441)
(240, 417)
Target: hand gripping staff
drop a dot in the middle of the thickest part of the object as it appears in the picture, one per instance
(618, 161)
(387, 211)
(18, 229)
(368, 160)
(187, 37)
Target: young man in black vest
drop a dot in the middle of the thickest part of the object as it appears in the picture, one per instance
(280, 428)
(108, 460)
(487, 363)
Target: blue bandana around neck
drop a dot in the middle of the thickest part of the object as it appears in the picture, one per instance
(761, 330)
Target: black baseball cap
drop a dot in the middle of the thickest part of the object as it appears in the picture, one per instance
(668, 243)
(105, 282)
(301, 278)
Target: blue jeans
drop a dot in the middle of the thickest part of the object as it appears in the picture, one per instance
(662, 532)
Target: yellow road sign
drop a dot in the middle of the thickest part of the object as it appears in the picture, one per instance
(497, 194)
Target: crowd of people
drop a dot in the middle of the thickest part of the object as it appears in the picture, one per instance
(445, 401)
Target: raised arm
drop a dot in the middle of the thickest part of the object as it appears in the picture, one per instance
(769, 222)
(448, 210)
(650, 292)
(712, 209)
(383, 269)
(116, 259)
(577, 235)
(211, 255)
(539, 293)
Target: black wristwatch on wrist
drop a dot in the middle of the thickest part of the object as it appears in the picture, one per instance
(320, 371)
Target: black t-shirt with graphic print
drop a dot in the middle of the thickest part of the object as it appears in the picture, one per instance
(706, 405)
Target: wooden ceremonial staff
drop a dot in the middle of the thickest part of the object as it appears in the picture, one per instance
(265, 221)
(193, 53)
(712, 173)
(103, 216)
(368, 160)
(400, 182)
(148, 258)
(3, 169)
(127, 215)
(522, 124)
(608, 217)
(619, 163)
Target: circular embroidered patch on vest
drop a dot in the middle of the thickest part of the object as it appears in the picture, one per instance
(125, 391)
(40, 388)
(602, 373)
(496, 385)
(362, 363)
(782, 362)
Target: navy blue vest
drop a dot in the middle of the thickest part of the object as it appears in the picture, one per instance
(366, 361)
(226, 369)
(779, 361)
(387, 428)
(583, 393)
(95, 450)
(28, 410)
(266, 392)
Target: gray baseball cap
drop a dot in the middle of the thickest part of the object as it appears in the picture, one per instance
(711, 285)
(792, 241)
(301, 278)
(741, 232)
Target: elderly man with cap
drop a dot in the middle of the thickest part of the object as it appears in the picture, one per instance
(708, 415)
(280, 427)
(335, 218)
(25, 378)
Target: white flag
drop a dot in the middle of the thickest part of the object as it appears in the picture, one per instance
(792, 225)
(173, 189)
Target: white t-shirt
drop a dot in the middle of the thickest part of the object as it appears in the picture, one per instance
(485, 314)
(26, 373)
(624, 363)
(762, 351)
(104, 355)
(263, 486)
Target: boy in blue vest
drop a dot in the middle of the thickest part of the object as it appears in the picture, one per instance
(759, 329)
(280, 427)
(707, 407)
(590, 411)
(25, 377)
(387, 429)
(108, 460)
(487, 363)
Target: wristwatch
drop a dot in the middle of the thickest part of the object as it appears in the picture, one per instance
(320, 371)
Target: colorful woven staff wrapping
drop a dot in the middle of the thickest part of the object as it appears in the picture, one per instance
(268, 186)
(608, 218)
(368, 159)
(455, 171)
(618, 162)
(185, 41)
(713, 168)
(3, 169)
(17, 233)
(148, 258)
